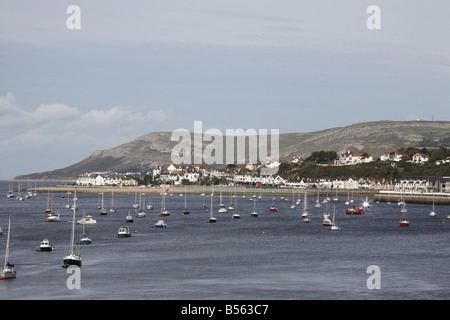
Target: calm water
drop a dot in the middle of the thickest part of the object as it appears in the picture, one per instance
(274, 256)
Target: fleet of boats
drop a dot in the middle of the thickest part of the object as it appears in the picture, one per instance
(74, 258)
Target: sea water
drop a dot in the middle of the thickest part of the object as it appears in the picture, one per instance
(273, 256)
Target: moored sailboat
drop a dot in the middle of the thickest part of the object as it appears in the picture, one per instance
(305, 213)
(164, 211)
(185, 211)
(8, 271)
(432, 213)
(211, 218)
(333, 223)
(72, 258)
(254, 214)
(222, 208)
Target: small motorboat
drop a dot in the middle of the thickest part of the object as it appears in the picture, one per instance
(124, 232)
(403, 223)
(273, 209)
(160, 224)
(87, 220)
(45, 246)
(164, 213)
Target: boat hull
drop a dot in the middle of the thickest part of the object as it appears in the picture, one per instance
(46, 249)
(7, 274)
(72, 261)
(404, 223)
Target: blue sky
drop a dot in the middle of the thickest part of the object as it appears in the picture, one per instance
(136, 67)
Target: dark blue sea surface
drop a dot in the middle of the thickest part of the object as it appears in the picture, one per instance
(274, 256)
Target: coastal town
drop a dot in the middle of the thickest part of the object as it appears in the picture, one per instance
(270, 174)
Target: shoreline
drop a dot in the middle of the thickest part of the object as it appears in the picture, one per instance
(195, 189)
(372, 195)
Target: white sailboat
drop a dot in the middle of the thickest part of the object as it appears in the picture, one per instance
(19, 196)
(103, 209)
(222, 208)
(53, 217)
(254, 213)
(305, 207)
(317, 205)
(164, 211)
(129, 218)
(211, 218)
(236, 215)
(336, 198)
(326, 217)
(185, 211)
(333, 223)
(135, 205)
(432, 213)
(113, 208)
(150, 205)
(231, 206)
(10, 193)
(293, 205)
(8, 271)
(72, 258)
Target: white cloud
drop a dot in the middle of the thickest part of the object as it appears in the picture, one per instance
(55, 135)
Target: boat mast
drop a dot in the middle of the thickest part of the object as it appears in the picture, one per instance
(73, 222)
(7, 244)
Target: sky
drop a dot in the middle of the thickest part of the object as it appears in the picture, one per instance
(142, 66)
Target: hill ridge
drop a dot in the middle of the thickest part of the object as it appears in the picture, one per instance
(375, 137)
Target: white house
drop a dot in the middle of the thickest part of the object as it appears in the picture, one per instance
(351, 157)
(391, 156)
(419, 158)
(446, 160)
